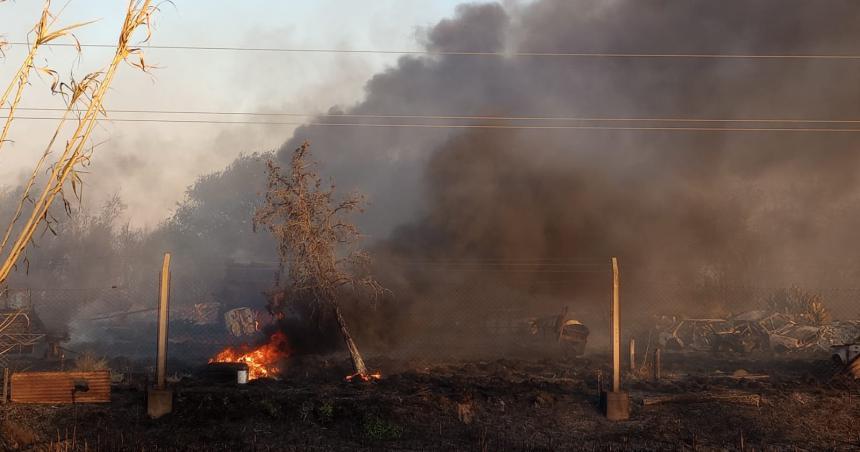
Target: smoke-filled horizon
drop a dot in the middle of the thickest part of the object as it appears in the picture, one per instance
(762, 209)
(696, 209)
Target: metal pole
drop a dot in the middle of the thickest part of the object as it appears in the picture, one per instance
(632, 355)
(599, 383)
(163, 309)
(616, 330)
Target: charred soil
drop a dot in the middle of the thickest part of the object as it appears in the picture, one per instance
(474, 405)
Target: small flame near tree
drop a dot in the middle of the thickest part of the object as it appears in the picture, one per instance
(359, 377)
(262, 361)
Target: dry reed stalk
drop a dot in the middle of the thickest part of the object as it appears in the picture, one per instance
(42, 34)
(90, 91)
(31, 181)
(73, 93)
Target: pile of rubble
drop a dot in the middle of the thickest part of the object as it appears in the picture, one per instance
(754, 331)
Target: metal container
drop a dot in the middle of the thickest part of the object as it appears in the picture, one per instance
(225, 373)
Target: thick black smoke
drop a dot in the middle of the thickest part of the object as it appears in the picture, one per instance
(696, 208)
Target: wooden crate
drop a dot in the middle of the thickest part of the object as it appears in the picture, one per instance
(59, 387)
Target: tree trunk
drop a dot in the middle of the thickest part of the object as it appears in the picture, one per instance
(357, 361)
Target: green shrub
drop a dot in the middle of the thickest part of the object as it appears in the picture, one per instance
(326, 411)
(379, 429)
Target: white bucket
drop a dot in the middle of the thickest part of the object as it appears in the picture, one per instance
(242, 377)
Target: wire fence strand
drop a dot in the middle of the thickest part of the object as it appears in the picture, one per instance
(470, 126)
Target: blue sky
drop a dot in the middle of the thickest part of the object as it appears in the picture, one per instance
(131, 162)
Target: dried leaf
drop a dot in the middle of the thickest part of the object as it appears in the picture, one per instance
(90, 92)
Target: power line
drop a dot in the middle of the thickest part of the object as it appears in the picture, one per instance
(124, 313)
(472, 126)
(274, 264)
(476, 53)
(467, 265)
(460, 117)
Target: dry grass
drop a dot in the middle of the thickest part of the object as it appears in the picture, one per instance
(803, 307)
(84, 100)
(88, 362)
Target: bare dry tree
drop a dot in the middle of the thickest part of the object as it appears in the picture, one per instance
(84, 100)
(317, 244)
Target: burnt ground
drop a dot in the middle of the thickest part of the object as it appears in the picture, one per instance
(477, 405)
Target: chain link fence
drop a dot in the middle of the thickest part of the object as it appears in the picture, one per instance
(463, 315)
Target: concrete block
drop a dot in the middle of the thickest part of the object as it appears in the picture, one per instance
(159, 402)
(615, 405)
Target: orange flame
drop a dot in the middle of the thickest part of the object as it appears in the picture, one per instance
(364, 377)
(262, 361)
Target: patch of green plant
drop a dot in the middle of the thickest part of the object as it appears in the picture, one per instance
(326, 411)
(270, 408)
(378, 429)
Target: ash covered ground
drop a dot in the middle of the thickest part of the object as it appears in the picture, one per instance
(505, 404)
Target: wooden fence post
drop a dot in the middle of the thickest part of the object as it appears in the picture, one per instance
(616, 403)
(5, 385)
(163, 317)
(159, 399)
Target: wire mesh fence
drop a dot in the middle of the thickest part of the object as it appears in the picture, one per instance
(463, 315)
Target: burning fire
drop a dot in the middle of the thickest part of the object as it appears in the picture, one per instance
(262, 361)
(360, 377)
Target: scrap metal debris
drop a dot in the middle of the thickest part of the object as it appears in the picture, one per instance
(755, 331)
(848, 355)
(241, 322)
(688, 334)
(571, 334)
(21, 331)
